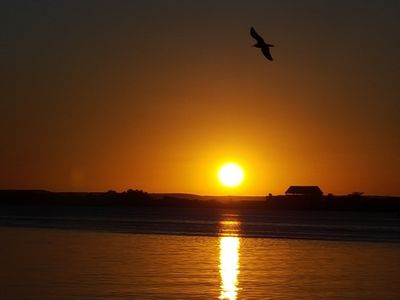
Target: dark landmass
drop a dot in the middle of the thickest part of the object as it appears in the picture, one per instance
(139, 198)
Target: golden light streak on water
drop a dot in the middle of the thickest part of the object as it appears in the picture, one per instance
(229, 259)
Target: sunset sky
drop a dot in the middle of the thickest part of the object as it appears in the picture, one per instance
(157, 95)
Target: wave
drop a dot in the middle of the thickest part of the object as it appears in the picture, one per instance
(287, 225)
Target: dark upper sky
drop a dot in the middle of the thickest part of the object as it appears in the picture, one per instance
(100, 95)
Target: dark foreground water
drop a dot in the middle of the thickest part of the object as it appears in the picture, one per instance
(190, 255)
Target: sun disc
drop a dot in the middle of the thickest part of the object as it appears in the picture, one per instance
(230, 175)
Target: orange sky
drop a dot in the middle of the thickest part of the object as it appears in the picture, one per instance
(156, 95)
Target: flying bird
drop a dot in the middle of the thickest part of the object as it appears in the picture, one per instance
(261, 44)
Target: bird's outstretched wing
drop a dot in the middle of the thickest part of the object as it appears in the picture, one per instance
(255, 35)
(267, 53)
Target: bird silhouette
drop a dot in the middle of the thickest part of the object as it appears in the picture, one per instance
(261, 44)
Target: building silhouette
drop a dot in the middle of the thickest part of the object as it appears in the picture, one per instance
(303, 190)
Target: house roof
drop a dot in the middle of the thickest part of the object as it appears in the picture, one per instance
(304, 190)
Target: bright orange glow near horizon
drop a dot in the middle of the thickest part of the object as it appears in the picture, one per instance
(161, 114)
(231, 175)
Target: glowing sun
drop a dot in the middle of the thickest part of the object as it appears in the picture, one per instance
(231, 175)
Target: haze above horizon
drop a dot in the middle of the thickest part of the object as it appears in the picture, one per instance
(157, 95)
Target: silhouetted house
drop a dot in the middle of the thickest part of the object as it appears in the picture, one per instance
(308, 191)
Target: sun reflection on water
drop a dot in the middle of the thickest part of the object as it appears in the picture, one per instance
(229, 244)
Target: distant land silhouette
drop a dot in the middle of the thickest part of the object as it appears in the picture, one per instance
(138, 198)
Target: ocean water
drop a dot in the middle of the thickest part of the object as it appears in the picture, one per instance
(203, 221)
(222, 256)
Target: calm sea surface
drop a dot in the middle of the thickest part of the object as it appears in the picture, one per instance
(212, 258)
